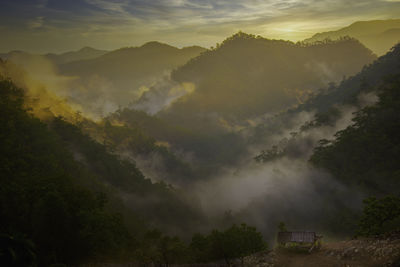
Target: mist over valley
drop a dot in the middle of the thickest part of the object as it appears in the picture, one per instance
(185, 154)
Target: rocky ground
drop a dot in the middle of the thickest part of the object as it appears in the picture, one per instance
(368, 252)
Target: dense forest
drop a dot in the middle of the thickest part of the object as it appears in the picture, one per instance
(201, 153)
(251, 71)
(60, 201)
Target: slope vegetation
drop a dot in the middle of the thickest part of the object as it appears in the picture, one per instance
(247, 76)
(377, 35)
(121, 76)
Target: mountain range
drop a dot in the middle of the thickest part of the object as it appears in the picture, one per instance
(247, 76)
(378, 35)
(178, 152)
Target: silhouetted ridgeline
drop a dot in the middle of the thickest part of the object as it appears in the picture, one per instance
(117, 77)
(377, 35)
(247, 76)
(74, 190)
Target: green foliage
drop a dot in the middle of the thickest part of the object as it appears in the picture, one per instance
(234, 242)
(379, 216)
(252, 72)
(268, 155)
(369, 79)
(59, 187)
(41, 197)
(158, 248)
(16, 251)
(367, 153)
(282, 227)
(161, 205)
(105, 165)
(129, 67)
(210, 149)
(136, 137)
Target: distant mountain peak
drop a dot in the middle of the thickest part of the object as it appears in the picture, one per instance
(378, 35)
(193, 47)
(155, 44)
(87, 49)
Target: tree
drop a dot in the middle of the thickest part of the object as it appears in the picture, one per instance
(47, 215)
(234, 242)
(379, 216)
(157, 248)
(366, 154)
(282, 227)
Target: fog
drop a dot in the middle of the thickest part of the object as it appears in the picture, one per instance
(285, 188)
(161, 95)
(94, 97)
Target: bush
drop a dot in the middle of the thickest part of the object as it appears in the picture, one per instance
(379, 216)
(235, 242)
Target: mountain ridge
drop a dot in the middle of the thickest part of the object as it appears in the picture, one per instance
(252, 71)
(367, 32)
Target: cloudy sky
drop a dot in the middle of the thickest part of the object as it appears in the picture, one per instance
(62, 25)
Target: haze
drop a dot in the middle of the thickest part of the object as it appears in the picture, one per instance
(169, 132)
(56, 26)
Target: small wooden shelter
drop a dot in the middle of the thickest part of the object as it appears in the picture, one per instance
(301, 238)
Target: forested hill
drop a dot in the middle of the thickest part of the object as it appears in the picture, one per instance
(81, 54)
(366, 153)
(149, 58)
(73, 190)
(118, 77)
(377, 35)
(65, 198)
(347, 91)
(247, 76)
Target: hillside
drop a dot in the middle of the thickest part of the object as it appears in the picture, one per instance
(120, 77)
(62, 170)
(372, 163)
(210, 128)
(247, 76)
(56, 177)
(81, 54)
(200, 133)
(193, 155)
(377, 35)
(348, 92)
(362, 159)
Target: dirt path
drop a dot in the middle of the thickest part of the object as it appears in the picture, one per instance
(320, 258)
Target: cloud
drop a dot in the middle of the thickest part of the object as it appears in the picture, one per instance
(116, 23)
(286, 188)
(161, 95)
(36, 23)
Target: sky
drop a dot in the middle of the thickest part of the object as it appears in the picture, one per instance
(42, 26)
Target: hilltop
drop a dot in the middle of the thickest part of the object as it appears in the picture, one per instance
(119, 77)
(377, 35)
(247, 76)
(81, 54)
